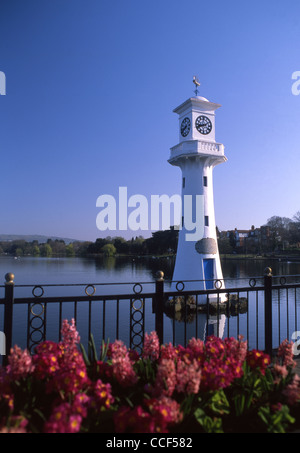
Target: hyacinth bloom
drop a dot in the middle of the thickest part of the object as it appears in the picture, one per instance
(151, 346)
(166, 378)
(292, 391)
(285, 353)
(122, 366)
(188, 376)
(20, 363)
(70, 336)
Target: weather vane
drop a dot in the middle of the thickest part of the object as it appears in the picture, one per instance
(197, 84)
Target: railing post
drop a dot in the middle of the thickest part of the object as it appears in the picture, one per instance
(268, 311)
(159, 306)
(8, 313)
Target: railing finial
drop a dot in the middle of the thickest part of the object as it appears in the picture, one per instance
(9, 278)
(159, 276)
(268, 272)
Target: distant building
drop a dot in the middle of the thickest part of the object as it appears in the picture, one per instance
(254, 240)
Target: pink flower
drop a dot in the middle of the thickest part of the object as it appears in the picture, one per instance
(69, 380)
(47, 359)
(236, 348)
(166, 408)
(188, 376)
(214, 347)
(285, 353)
(81, 403)
(61, 364)
(166, 380)
(117, 349)
(168, 351)
(122, 368)
(19, 363)
(197, 347)
(63, 420)
(292, 391)
(151, 346)
(279, 372)
(70, 336)
(102, 395)
(135, 420)
(258, 360)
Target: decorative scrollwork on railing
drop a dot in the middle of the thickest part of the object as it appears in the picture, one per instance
(252, 282)
(137, 288)
(36, 315)
(88, 288)
(282, 281)
(180, 286)
(218, 284)
(137, 324)
(35, 289)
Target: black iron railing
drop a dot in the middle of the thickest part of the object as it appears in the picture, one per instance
(265, 310)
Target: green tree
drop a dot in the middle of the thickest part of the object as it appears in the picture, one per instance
(97, 246)
(109, 250)
(36, 251)
(46, 250)
(224, 245)
(70, 250)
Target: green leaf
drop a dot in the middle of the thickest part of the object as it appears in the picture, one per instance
(209, 424)
(84, 354)
(93, 349)
(104, 350)
(219, 403)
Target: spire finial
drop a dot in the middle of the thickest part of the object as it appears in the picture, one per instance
(197, 84)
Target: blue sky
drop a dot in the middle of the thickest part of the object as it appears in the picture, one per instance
(90, 90)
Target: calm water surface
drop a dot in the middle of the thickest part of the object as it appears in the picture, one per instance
(118, 274)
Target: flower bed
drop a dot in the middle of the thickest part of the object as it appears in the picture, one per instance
(216, 386)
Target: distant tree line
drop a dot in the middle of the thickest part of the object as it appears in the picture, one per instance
(284, 233)
(161, 242)
(57, 247)
(279, 233)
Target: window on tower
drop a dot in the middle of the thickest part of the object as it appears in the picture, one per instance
(205, 181)
(206, 220)
(183, 183)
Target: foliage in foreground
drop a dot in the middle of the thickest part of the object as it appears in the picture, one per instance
(216, 386)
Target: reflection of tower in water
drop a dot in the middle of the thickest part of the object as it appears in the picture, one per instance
(202, 327)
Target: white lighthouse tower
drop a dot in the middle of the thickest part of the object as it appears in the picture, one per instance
(197, 153)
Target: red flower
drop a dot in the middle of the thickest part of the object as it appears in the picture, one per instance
(258, 360)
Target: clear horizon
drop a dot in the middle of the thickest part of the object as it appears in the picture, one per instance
(90, 92)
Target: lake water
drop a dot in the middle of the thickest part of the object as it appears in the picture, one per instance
(117, 275)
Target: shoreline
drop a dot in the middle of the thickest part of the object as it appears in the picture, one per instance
(223, 256)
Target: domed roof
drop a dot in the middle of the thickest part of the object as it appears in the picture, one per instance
(201, 98)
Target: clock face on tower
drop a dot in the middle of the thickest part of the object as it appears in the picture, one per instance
(185, 127)
(203, 125)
